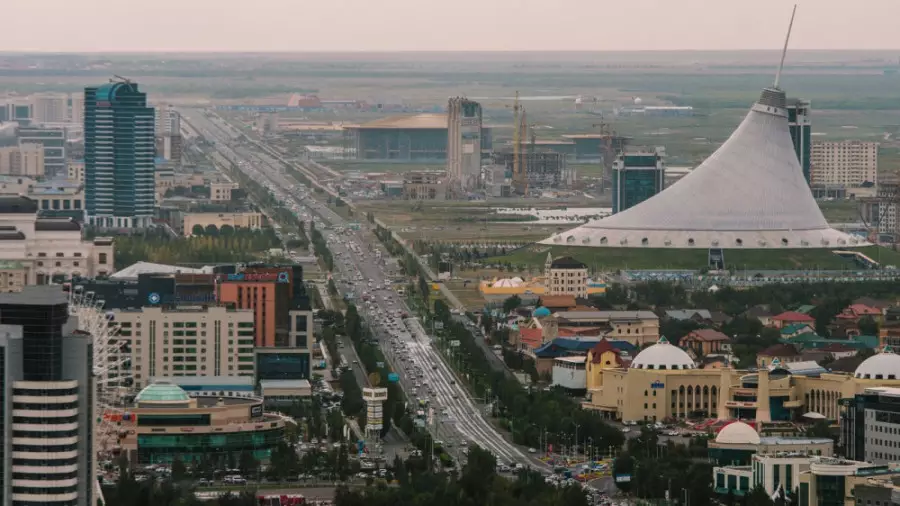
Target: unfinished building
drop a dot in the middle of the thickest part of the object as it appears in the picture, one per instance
(410, 138)
(464, 144)
(544, 169)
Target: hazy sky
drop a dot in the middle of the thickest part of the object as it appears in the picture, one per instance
(389, 25)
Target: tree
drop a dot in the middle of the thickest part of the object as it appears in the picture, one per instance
(759, 497)
(212, 230)
(179, 471)
(226, 230)
(198, 230)
(248, 464)
(868, 326)
(511, 303)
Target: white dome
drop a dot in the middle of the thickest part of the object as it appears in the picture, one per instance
(738, 433)
(884, 366)
(508, 283)
(663, 356)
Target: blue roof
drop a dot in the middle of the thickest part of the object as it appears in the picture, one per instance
(561, 347)
(541, 312)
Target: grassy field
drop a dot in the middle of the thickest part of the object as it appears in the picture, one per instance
(600, 259)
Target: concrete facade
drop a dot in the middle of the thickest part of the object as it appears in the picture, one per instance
(846, 163)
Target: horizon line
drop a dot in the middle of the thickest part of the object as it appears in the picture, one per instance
(425, 51)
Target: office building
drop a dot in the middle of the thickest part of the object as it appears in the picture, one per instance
(166, 120)
(26, 159)
(869, 425)
(187, 341)
(53, 140)
(637, 176)
(220, 191)
(168, 424)
(464, 144)
(19, 110)
(50, 108)
(268, 293)
(846, 163)
(118, 156)
(49, 249)
(801, 132)
(48, 402)
(832, 481)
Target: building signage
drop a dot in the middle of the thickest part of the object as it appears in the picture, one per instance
(279, 277)
(167, 298)
(657, 384)
(256, 411)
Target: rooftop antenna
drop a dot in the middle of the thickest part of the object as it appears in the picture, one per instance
(784, 51)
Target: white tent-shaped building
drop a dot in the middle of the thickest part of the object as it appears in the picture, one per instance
(749, 194)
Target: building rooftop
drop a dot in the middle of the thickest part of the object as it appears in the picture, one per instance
(134, 270)
(17, 204)
(36, 295)
(418, 121)
(162, 392)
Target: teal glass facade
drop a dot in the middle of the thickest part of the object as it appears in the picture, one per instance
(118, 156)
(801, 133)
(217, 447)
(636, 178)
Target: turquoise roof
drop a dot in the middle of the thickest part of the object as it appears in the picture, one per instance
(162, 392)
(541, 312)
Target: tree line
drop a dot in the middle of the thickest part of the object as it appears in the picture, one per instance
(156, 246)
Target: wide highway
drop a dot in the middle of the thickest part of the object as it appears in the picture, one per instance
(364, 269)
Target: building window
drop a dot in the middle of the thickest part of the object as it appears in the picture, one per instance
(103, 258)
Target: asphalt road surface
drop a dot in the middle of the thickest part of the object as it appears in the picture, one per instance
(362, 271)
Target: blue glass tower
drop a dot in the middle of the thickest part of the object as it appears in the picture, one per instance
(118, 156)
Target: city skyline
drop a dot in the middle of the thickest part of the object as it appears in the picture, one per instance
(354, 25)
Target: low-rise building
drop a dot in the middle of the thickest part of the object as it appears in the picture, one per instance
(777, 354)
(705, 341)
(49, 249)
(253, 221)
(26, 159)
(566, 276)
(220, 191)
(75, 171)
(58, 195)
(426, 185)
(187, 341)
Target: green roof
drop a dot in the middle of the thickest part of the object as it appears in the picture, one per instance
(162, 392)
(805, 309)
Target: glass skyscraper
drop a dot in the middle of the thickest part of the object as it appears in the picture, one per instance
(118, 156)
(636, 178)
(801, 132)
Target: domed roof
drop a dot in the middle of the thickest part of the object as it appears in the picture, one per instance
(663, 356)
(162, 392)
(541, 312)
(738, 433)
(883, 366)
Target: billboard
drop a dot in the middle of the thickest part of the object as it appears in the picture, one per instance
(278, 277)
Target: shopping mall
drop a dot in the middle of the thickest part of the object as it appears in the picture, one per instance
(164, 422)
(663, 382)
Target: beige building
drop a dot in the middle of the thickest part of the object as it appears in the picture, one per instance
(566, 276)
(16, 185)
(58, 196)
(76, 171)
(635, 327)
(663, 382)
(425, 185)
(26, 159)
(50, 107)
(188, 341)
(220, 191)
(76, 113)
(219, 220)
(847, 163)
(50, 250)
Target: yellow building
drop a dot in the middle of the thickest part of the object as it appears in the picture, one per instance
(219, 220)
(663, 382)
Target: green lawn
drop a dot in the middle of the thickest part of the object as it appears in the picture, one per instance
(599, 259)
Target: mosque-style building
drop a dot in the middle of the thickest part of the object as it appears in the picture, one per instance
(663, 382)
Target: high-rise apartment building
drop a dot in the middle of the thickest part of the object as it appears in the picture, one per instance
(847, 163)
(801, 132)
(76, 110)
(53, 140)
(26, 159)
(172, 341)
(118, 156)
(48, 402)
(50, 107)
(464, 120)
(637, 176)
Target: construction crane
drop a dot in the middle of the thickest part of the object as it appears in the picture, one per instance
(606, 147)
(121, 79)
